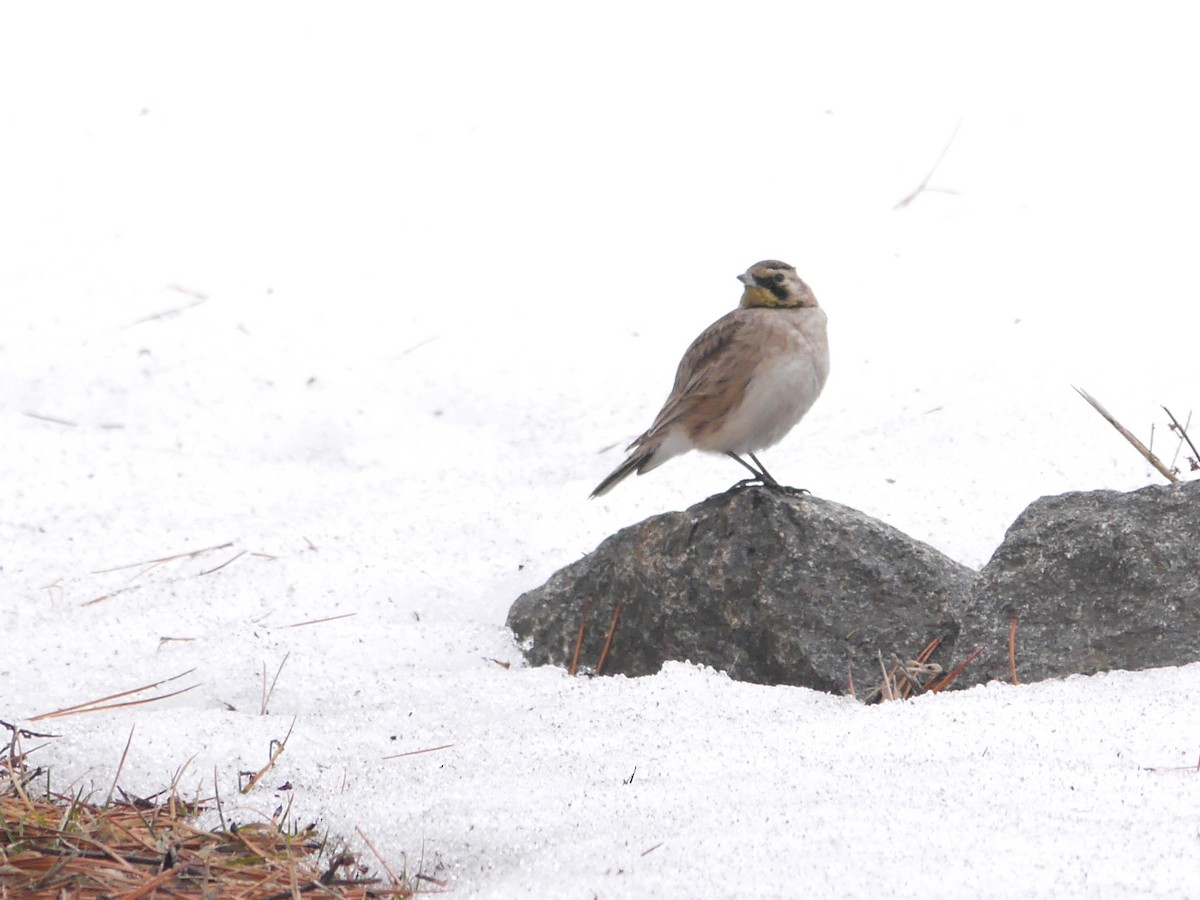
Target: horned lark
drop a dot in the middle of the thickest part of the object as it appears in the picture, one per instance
(745, 382)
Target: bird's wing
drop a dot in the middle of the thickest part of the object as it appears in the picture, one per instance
(709, 378)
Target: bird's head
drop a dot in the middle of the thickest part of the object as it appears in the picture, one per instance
(775, 284)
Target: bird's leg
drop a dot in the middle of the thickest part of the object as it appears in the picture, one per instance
(758, 476)
(762, 476)
(766, 477)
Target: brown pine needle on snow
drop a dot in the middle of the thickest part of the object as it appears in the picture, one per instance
(120, 766)
(51, 419)
(155, 563)
(382, 861)
(319, 621)
(111, 594)
(267, 692)
(197, 299)
(95, 705)
(419, 752)
(278, 751)
(233, 558)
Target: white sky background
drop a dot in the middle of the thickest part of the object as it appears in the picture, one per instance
(488, 234)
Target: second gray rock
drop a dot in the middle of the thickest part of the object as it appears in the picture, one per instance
(1096, 580)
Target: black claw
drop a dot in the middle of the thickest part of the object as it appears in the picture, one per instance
(771, 485)
(762, 477)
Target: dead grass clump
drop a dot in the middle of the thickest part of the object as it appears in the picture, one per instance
(53, 846)
(1179, 429)
(910, 678)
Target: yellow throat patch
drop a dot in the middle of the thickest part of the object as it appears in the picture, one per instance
(756, 295)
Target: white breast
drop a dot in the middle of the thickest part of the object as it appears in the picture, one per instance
(783, 388)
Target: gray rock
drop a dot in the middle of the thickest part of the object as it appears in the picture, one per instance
(1097, 581)
(770, 587)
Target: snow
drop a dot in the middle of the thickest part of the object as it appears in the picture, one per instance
(369, 299)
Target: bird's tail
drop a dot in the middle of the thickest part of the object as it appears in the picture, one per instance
(637, 462)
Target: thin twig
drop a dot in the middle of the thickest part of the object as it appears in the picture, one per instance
(587, 601)
(293, 881)
(170, 312)
(164, 559)
(382, 861)
(886, 687)
(1129, 436)
(921, 661)
(166, 639)
(23, 733)
(174, 788)
(124, 705)
(319, 621)
(946, 680)
(83, 707)
(418, 345)
(252, 846)
(152, 885)
(418, 752)
(268, 692)
(52, 420)
(1012, 648)
(236, 556)
(111, 594)
(924, 185)
(120, 766)
(270, 763)
(217, 799)
(1182, 432)
(609, 639)
(13, 780)
(903, 678)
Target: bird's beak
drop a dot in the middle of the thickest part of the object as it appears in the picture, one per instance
(745, 278)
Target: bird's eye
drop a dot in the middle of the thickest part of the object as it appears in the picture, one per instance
(780, 278)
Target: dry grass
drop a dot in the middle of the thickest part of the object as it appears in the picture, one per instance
(1169, 472)
(57, 846)
(910, 678)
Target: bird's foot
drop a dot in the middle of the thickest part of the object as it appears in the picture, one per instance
(794, 491)
(771, 485)
(760, 476)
